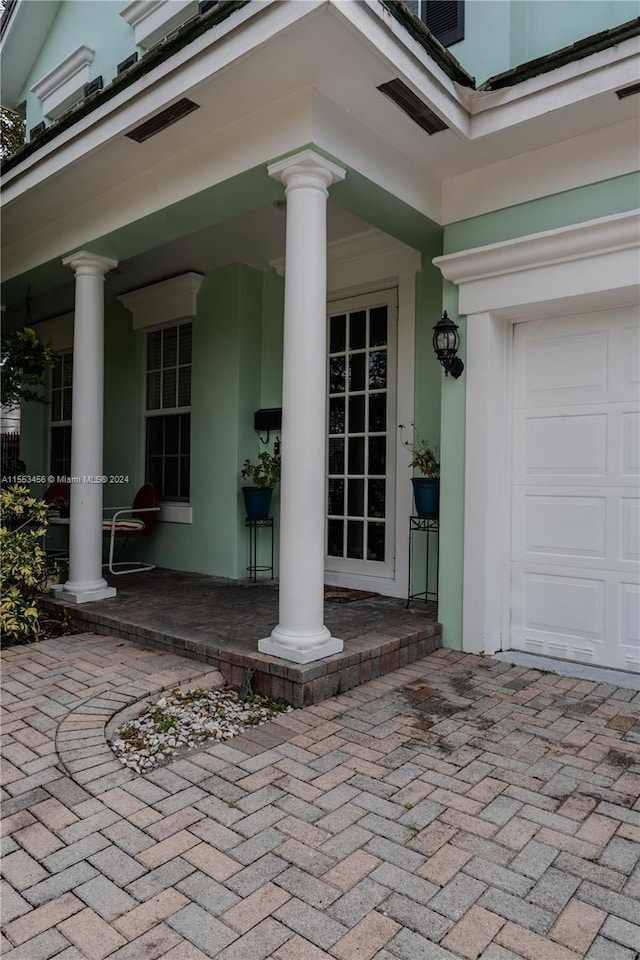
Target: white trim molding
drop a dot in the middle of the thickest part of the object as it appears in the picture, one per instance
(165, 302)
(370, 257)
(153, 19)
(171, 512)
(580, 257)
(63, 85)
(592, 265)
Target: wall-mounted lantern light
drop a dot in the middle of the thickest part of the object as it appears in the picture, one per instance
(446, 341)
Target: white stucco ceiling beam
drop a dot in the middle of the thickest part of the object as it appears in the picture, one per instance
(408, 59)
(358, 146)
(304, 117)
(543, 172)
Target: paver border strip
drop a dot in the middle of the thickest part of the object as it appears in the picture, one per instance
(81, 738)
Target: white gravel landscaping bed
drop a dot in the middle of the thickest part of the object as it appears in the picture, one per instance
(185, 720)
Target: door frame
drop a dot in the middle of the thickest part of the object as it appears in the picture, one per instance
(370, 568)
(569, 270)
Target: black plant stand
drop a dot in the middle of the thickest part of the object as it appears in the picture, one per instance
(430, 526)
(264, 523)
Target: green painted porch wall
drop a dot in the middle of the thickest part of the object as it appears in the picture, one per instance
(607, 197)
(34, 440)
(91, 23)
(225, 392)
(122, 399)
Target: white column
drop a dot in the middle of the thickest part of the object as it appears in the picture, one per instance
(85, 581)
(301, 635)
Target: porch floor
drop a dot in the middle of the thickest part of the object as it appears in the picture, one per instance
(220, 622)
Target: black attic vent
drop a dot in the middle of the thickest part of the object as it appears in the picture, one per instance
(93, 86)
(162, 120)
(129, 62)
(419, 112)
(37, 130)
(445, 20)
(205, 5)
(628, 91)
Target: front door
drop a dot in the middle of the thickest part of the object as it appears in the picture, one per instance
(361, 434)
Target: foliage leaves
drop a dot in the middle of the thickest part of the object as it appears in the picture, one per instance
(12, 132)
(24, 360)
(264, 473)
(24, 568)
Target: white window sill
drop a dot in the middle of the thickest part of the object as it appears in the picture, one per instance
(176, 513)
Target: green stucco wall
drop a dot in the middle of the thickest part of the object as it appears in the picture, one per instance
(594, 200)
(500, 35)
(227, 377)
(234, 373)
(91, 23)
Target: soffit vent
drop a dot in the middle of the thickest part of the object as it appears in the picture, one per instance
(162, 120)
(628, 91)
(419, 112)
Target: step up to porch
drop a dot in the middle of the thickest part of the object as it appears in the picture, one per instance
(220, 622)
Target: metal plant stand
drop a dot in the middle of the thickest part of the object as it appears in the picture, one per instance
(430, 526)
(265, 523)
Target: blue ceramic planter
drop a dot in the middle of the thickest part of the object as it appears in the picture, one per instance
(426, 494)
(257, 502)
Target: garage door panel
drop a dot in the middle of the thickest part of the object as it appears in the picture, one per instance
(630, 444)
(629, 529)
(575, 519)
(562, 606)
(630, 623)
(591, 444)
(630, 346)
(561, 526)
(566, 445)
(567, 369)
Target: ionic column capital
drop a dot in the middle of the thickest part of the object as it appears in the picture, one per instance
(85, 263)
(306, 169)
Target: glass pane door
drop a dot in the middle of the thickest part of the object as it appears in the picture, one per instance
(360, 391)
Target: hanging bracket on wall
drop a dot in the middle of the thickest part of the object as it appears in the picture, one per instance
(268, 419)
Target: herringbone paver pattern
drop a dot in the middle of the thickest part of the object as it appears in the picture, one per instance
(456, 808)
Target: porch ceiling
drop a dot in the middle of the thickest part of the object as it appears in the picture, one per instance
(264, 87)
(255, 237)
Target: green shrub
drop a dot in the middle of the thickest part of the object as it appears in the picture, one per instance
(24, 567)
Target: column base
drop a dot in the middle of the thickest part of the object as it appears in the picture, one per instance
(74, 593)
(299, 647)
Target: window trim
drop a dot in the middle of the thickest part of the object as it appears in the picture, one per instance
(171, 511)
(162, 304)
(58, 424)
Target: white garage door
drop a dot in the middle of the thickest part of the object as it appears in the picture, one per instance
(575, 543)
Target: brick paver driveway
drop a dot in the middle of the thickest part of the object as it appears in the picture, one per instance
(459, 807)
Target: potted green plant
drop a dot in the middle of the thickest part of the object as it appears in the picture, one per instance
(424, 460)
(262, 477)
